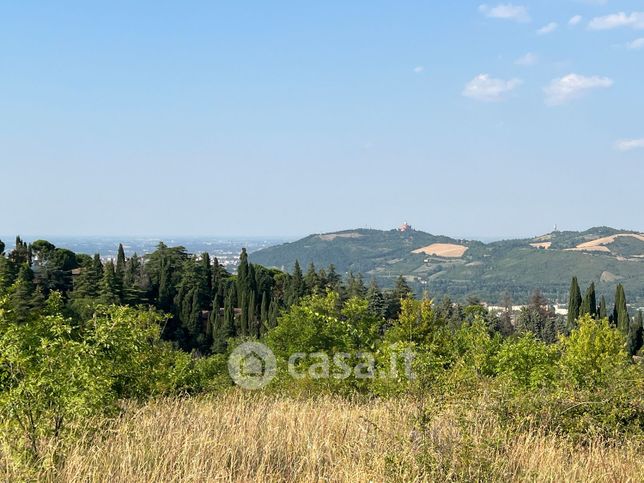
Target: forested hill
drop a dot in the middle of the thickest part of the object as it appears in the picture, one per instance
(445, 265)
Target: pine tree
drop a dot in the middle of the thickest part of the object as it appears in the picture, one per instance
(296, 286)
(87, 283)
(355, 286)
(109, 290)
(376, 299)
(332, 280)
(589, 304)
(574, 302)
(312, 280)
(22, 295)
(8, 273)
(401, 289)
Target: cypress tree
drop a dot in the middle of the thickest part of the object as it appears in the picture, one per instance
(263, 312)
(620, 312)
(589, 304)
(603, 311)
(120, 263)
(243, 320)
(574, 302)
(253, 326)
(636, 334)
(273, 309)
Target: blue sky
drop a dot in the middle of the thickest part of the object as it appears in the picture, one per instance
(287, 118)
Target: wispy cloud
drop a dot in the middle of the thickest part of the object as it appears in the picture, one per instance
(636, 44)
(527, 59)
(547, 29)
(634, 20)
(507, 11)
(486, 88)
(629, 144)
(576, 20)
(418, 69)
(572, 86)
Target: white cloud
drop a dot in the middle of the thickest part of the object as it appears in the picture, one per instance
(629, 144)
(507, 11)
(547, 29)
(572, 86)
(616, 20)
(485, 88)
(575, 20)
(636, 44)
(418, 69)
(527, 59)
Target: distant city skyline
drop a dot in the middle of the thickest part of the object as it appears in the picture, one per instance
(473, 119)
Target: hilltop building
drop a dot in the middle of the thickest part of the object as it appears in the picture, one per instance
(405, 227)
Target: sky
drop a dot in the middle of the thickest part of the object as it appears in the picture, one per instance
(286, 118)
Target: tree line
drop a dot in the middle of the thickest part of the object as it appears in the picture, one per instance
(208, 306)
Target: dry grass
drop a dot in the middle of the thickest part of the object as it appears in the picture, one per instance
(250, 437)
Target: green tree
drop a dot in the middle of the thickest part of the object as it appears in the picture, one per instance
(593, 353)
(589, 304)
(376, 299)
(120, 264)
(603, 310)
(574, 303)
(621, 319)
(110, 287)
(635, 334)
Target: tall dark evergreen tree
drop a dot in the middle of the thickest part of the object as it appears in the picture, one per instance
(376, 299)
(574, 302)
(621, 318)
(312, 280)
(603, 310)
(589, 304)
(120, 263)
(109, 290)
(636, 334)
(296, 286)
(355, 286)
(23, 295)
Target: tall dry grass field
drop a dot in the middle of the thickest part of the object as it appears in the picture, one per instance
(251, 437)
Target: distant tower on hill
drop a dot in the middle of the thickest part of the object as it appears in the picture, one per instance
(405, 227)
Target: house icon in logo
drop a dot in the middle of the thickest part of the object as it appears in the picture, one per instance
(252, 365)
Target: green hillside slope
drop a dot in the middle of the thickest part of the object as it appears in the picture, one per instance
(462, 267)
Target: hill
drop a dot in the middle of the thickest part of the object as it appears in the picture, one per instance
(445, 265)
